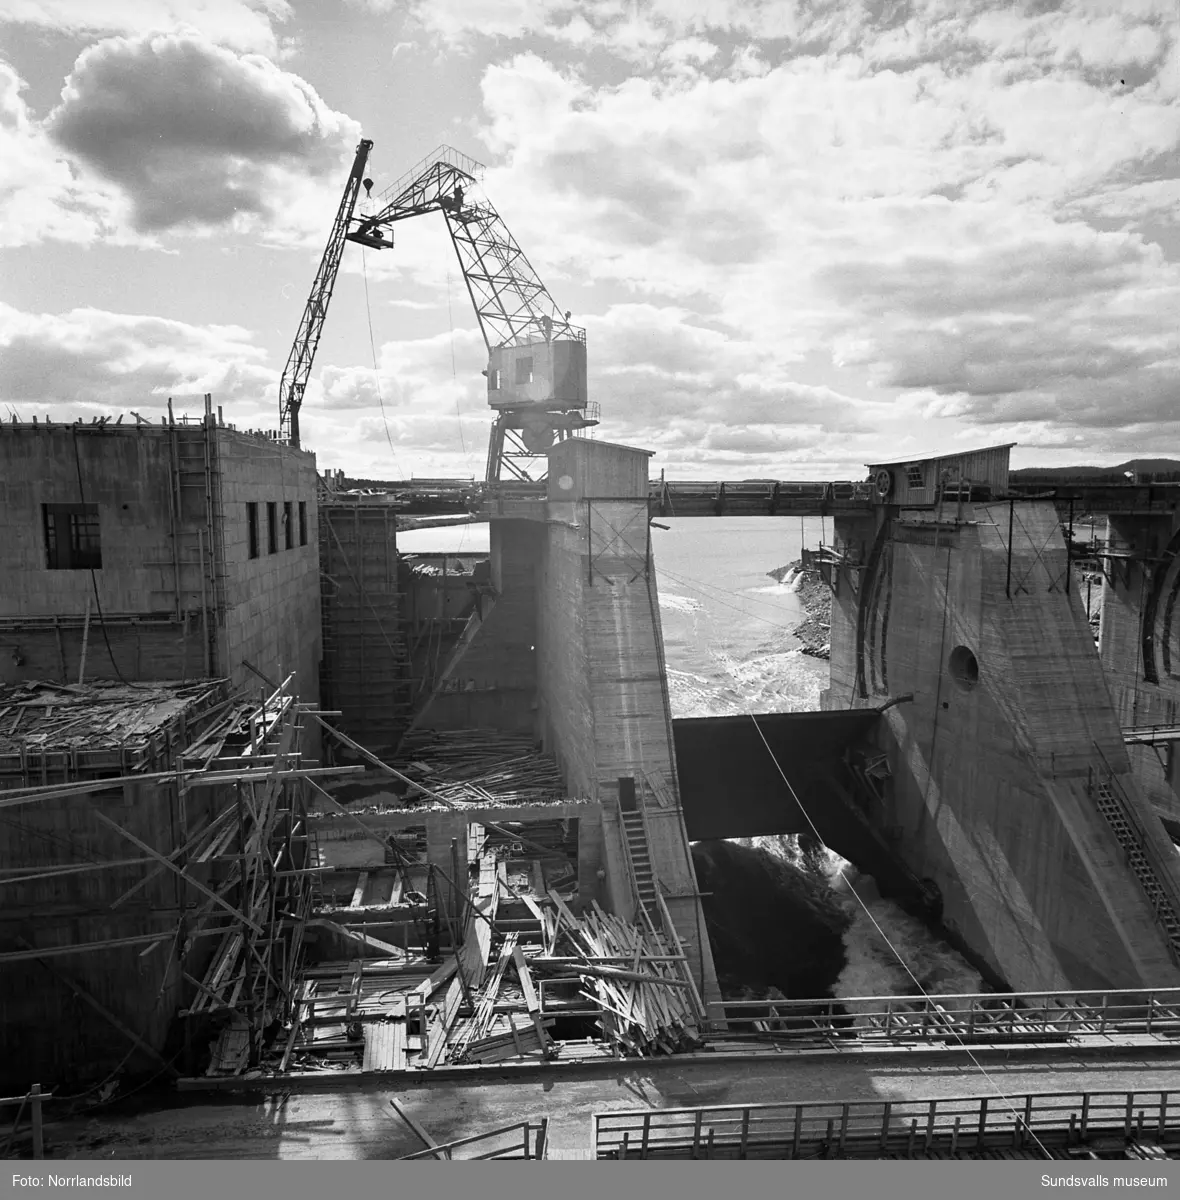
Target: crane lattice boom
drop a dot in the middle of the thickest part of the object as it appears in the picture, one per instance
(298, 369)
(537, 366)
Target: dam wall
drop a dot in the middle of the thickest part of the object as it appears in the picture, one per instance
(1139, 644)
(1010, 787)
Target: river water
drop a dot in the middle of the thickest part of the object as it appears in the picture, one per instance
(729, 648)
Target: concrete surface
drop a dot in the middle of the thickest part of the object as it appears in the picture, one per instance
(359, 1123)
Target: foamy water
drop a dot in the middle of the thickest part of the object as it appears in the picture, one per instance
(891, 953)
(670, 602)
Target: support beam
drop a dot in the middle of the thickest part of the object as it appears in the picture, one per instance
(102, 1011)
(417, 1129)
(235, 913)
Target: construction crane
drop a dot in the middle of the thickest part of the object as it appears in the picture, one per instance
(536, 369)
(299, 362)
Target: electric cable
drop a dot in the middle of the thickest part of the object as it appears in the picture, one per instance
(815, 831)
(94, 582)
(716, 593)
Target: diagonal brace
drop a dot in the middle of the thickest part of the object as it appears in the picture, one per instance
(102, 1010)
(235, 913)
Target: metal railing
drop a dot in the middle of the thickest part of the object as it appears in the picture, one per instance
(524, 1139)
(1155, 875)
(978, 1018)
(443, 154)
(1036, 1122)
(32, 1100)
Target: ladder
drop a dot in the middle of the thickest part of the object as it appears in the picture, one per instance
(639, 860)
(1110, 806)
(315, 861)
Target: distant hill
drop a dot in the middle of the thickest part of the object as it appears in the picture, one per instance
(1160, 468)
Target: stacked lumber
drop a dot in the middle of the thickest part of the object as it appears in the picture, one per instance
(647, 1005)
(57, 731)
(482, 767)
(517, 1041)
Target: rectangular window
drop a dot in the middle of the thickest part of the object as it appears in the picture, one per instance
(303, 522)
(272, 527)
(71, 537)
(252, 528)
(524, 370)
(288, 528)
(914, 477)
(493, 379)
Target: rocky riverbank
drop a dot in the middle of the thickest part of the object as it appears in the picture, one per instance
(814, 632)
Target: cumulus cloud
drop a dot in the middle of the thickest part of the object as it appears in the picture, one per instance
(241, 24)
(90, 361)
(1063, 324)
(39, 194)
(656, 33)
(196, 136)
(661, 381)
(925, 225)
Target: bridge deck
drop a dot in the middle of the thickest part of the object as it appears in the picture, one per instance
(810, 498)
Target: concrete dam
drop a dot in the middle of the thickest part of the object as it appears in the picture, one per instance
(977, 752)
(402, 853)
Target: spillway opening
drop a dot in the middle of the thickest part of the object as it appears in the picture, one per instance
(784, 921)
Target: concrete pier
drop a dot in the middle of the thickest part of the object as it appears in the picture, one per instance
(1011, 788)
(570, 648)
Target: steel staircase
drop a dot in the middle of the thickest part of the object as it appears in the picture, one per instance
(1111, 805)
(639, 861)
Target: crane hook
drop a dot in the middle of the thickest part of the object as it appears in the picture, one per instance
(368, 183)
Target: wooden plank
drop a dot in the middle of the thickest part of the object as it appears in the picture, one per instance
(563, 910)
(358, 894)
(535, 909)
(530, 995)
(419, 1132)
(235, 913)
(441, 976)
(397, 1056)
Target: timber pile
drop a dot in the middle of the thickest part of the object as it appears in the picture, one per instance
(498, 997)
(648, 1002)
(482, 767)
(639, 988)
(75, 730)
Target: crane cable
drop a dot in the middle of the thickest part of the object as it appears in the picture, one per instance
(376, 373)
(455, 372)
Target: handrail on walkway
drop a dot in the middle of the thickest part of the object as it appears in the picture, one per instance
(869, 1128)
(531, 1142)
(33, 1098)
(977, 1016)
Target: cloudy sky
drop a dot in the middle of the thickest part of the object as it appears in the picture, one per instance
(801, 234)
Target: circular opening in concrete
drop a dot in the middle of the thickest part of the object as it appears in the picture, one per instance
(964, 667)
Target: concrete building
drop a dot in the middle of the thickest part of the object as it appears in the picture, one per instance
(172, 551)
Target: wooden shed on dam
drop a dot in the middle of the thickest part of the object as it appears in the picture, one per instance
(922, 480)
